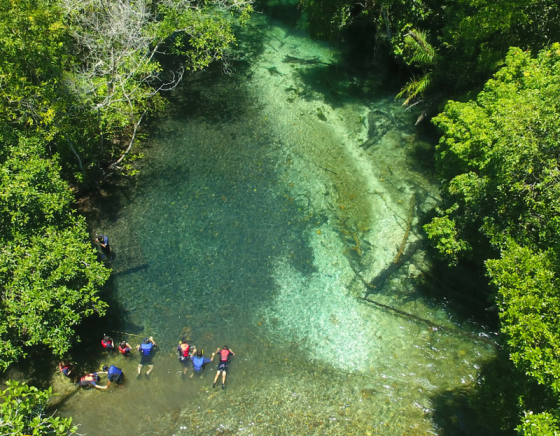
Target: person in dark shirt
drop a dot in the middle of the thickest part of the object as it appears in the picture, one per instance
(224, 353)
(103, 242)
(65, 368)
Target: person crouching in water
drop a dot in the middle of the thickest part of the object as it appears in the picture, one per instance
(199, 361)
(146, 349)
(65, 368)
(108, 344)
(183, 352)
(125, 348)
(114, 374)
(90, 380)
(222, 366)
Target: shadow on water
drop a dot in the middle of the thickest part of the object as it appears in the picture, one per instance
(286, 12)
(495, 404)
(454, 416)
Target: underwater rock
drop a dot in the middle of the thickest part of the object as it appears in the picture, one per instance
(321, 115)
(379, 123)
(274, 71)
(63, 387)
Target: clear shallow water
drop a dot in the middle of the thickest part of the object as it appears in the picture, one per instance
(266, 202)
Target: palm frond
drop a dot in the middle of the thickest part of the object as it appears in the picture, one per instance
(415, 88)
(422, 52)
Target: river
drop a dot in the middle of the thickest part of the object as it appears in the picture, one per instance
(269, 203)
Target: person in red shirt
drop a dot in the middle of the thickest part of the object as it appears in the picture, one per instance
(224, 353)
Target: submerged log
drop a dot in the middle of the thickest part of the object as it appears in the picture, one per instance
(433, 326)
(378, 282)
(408, 226)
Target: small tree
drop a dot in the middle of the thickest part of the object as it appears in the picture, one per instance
(22, 412)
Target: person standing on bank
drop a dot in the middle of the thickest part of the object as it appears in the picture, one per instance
(146, 349)
(103, 242)
(223, 364)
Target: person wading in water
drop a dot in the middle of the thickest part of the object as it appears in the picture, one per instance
(223, 364)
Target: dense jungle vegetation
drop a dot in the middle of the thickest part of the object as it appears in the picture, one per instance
(78, 77)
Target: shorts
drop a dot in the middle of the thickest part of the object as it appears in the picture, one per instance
(146, 360)
(118, 379)
(222, 366)
(184, 360)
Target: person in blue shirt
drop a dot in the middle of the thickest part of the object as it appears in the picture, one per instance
(146, 349)
(199, 361)
(103, 241)
(114, 374)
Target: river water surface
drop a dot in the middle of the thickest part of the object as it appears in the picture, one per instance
(269, 203)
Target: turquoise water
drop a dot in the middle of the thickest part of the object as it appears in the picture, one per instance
(270, 202)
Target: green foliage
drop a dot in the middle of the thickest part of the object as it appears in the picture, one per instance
(33, 57)
(467, 41)
(76, 79)
(499, 165)
(418, 51)
(502, 390)
(444, 232)
(541, 424)
(529, 305)
(48, 270)
(22, 412)
(498, 157)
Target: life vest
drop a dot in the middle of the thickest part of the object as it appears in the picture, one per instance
(124, 350)
(146, 348)
(114, 370)
(107, 344)
(89, 378)
(225, 355)
(185, 349)
(198, 362)
(66, 367)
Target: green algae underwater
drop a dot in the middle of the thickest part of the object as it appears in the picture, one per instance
(270, 202)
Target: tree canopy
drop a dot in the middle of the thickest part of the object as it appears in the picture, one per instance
(498, 160)
(452, 47)
(22, 411)
(77, 77)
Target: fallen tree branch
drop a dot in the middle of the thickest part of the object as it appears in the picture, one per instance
(434, 327)
(75, 152)
(114, 164)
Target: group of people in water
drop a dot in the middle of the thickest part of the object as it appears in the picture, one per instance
(187, 356)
